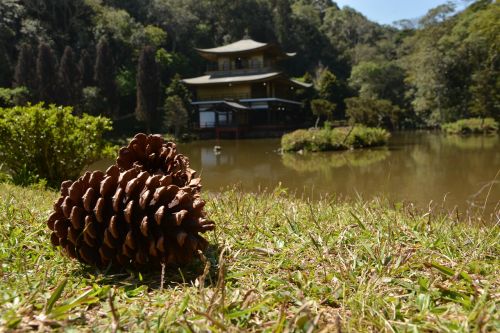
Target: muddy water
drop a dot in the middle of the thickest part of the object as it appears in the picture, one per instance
(422, 168)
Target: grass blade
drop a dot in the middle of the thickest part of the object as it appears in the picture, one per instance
(55, 296)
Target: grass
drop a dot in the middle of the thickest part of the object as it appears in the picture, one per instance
(341, 138)
(277, 263)
(469, 126)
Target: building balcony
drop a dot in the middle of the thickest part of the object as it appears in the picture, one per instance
(241, 68)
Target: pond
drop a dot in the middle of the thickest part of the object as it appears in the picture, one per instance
(424, 168)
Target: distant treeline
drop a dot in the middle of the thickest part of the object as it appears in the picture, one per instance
(117, 57)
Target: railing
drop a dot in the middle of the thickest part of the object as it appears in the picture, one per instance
(243, 66)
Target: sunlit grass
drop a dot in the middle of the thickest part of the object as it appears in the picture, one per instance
(276, 264)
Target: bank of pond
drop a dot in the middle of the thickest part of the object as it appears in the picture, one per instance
(359, 136)
(340, 138)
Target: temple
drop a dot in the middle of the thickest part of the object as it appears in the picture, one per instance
(245, 92)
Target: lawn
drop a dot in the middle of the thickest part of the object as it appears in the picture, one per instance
(277, 263)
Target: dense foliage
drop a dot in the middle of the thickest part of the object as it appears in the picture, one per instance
(436, 69)
(39, 142)
(340, 138)
(472, 126)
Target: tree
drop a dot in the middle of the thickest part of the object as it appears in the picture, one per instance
(321, 107)
(104, 75)
(379, 80)
(46, 74)
(373, 112)
(86, 68)
(330, 88)
(177, 88)
(148, 86)
(69, 79)
(176, 115)
(24, 74)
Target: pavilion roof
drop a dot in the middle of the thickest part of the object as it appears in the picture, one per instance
(242, 46)
(210, 79)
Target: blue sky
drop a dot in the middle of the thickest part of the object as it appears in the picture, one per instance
(388, 11)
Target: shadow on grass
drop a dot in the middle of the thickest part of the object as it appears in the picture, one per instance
(152, 277)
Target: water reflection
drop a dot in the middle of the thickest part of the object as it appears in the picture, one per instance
(416, 167)
(471, 142)
(324, 162)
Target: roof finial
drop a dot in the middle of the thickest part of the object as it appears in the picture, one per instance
(247, 34)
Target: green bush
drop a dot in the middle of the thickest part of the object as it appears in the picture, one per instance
(367, 137)
(334, 139)
(39, 142)
(471, 126)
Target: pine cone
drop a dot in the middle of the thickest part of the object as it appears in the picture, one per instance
(150, 153)
(131, 217)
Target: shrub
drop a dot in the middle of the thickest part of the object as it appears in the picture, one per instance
(367, 137)
(295, 141)
(14, 96)
(471, 126)
(334, 139)
(39, 142)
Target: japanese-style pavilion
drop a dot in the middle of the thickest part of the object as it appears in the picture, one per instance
(244, 91)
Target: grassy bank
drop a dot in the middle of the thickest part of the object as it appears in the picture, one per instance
(340, 138)
(469, 126)
(276, 263)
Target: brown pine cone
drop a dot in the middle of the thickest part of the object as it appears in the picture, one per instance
(151, 153)
(132, 218)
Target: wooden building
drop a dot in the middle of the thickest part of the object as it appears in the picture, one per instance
(244, 91)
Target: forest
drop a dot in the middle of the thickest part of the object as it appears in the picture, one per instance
(124, 58)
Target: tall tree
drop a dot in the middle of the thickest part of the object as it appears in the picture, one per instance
(24, 75)
(148, 88)
(177, 88)
(104, 76)
(69, 81)
(176, 115)
(86, 68)
(46, 74)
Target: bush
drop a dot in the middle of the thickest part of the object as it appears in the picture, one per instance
(471, 126)
(334, 139)
(38, 142)
(14, 96)
(367, 137)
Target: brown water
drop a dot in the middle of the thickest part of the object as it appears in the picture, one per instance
(452, 172)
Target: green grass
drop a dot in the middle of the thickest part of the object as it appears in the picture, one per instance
(276, 264)
(469, 126)
(341, 138)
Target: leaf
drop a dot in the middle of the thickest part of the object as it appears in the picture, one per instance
(55, 296)
(183, 306)
(358, 221)
(87, 297)
(443, 269)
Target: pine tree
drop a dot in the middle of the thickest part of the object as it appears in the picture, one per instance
(104, 75)
(46, 74)
(69, 79)
(283, 22)
(86, 67)
(148, 83)
(25, 75)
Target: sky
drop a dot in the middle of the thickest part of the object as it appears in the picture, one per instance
(388, 11)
